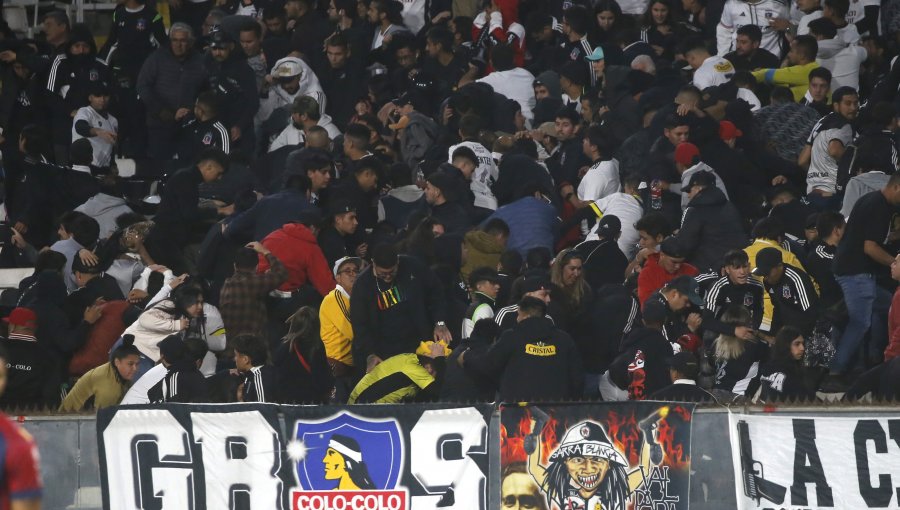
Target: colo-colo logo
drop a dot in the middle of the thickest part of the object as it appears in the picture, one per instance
(232, 461)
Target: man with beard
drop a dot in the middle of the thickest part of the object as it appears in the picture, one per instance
(825, 146)
(291, 78)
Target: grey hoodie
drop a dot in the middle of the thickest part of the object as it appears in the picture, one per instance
(105, 209)
(550, 80)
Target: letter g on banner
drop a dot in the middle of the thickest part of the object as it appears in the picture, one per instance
(155, 469)
(442, 442)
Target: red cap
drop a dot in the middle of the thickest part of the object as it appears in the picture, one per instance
(685, 153)
(22, 317)
(727, 130)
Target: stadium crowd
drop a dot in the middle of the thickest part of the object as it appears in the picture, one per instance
(361, 201)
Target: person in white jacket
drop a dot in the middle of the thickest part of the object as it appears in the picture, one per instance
(513, 82)
(304, 115)
(291, 78)
(842, 59)
(762, 13)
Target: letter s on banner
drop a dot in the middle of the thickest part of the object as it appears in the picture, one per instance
(429, 439)
(241, 454)
(140, 477)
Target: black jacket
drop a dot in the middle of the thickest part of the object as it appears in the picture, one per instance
(643, 362)
(537, 362)
(781, 380)
(183, 383)
(711, 227)
(461, 385)
(33, 375)
(604, 263)
(179, 203)
(260, 385)
(299, 383)
(235, 84)
(393, 318)
(69, 81)
(682, 392)
(795, 301)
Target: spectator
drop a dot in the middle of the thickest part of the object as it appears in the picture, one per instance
(203, 130)
(536, 361)
(513, 82)
(182, 382)
(105, 385)
(242, 299)
(683, 372)
(302, 372)
(783, 377)
(258, 378)
(337, 331)
(747, 55)
(30, 376)
(484, 285)
(663, 267)
(794, 297)
(737, 360)
(95, 123)
(709, 70)
(604, 262)
(802, 60)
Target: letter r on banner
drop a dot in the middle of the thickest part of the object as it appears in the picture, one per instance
(241, 459)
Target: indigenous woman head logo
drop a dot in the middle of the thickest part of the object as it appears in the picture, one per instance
(344, 462)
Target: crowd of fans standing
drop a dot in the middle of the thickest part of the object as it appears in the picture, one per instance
(364, 201)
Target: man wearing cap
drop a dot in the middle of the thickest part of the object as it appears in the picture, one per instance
(709, 70)
(484, 285)
(242, 299)
(95, 123)
(535, 360)
(687, 163)
(234, 82)
(662, 267)
(441, 194)
(683, 371)
(32, 377)
(335, 327)
(290, 78)
(793, 295)
(711, 225)
(532, 286)
(334, 239)
(604, 263)
(167, 84)
(825, 146)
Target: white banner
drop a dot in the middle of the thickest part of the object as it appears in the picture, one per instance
(807, 462)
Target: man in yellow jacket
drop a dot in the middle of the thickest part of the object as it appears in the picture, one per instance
(335, 328)
(801, 59)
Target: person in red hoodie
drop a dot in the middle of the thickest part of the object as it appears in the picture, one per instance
(663, 267)
(309, 277)
(498, 23)
(893, 348)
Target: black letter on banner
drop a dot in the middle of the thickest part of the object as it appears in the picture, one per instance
(144, 459)
(805, 447)
(870, 430)
(894, 431)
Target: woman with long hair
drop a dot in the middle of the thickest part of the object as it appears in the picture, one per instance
(566, 273)
(784, 376)
(181, 311)
(658, 28)
(609, 19)
(106, 384)
(737, 360)
(302, 373)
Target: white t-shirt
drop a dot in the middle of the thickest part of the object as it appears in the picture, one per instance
(629, 210)
(601, 179)
(137, 394)
(713, 71)
(516, 84)
(103, 150)
(823, 168)
(484, 177)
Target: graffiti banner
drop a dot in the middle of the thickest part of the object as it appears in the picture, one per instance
(617, 456)
(819, 462)
(237, 457)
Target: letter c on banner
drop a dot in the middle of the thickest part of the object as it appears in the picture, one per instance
(241, 455)
(430, 438)
(156, 471)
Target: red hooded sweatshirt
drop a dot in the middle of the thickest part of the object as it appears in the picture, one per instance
(296, 247)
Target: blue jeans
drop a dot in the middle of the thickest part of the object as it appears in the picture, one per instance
(867, 304)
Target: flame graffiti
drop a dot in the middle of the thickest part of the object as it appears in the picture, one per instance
(622, 429)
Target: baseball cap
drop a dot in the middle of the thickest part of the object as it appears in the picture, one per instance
(671, 247)
(766, 260)
(534, 284)
(483, 274)
(727, 130)
(688, 286)
(811, 221)
(286, 68)
(22, 317)
(219, 39)
(98, 88)
(340, 206)
(685, 153)
(701, 178)
(609, 226)
(595, 55)
(345, 260)
(686, 363)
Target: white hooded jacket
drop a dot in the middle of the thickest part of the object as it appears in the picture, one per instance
(278, 97)
(842, 60)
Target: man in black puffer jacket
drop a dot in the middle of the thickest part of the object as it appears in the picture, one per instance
(711, 226)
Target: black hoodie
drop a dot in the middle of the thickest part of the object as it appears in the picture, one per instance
(711, 227)
(536, 362)
(642, 365)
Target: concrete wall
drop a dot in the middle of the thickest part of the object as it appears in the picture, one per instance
(70, 465)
